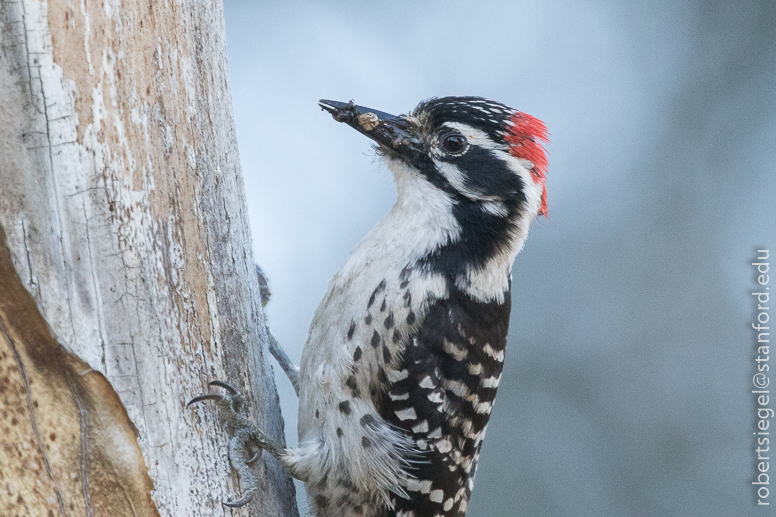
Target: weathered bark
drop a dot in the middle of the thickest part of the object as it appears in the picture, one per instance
(124, 213)
(68, 444)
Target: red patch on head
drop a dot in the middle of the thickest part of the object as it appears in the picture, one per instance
(525, 137)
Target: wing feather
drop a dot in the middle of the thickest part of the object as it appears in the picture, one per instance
(453, 363)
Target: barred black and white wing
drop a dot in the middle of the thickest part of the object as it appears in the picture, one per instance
(442, 397)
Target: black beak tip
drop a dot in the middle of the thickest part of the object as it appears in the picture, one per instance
(349, 111)
(332, 105)
(341, 111)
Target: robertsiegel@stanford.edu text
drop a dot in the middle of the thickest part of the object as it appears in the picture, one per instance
(761, 379)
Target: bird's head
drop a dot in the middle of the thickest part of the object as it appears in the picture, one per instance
(470, 177)
(472, 148)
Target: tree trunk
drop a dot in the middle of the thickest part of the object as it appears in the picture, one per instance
(128, 281)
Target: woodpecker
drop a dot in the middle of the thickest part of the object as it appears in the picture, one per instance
(405, 352)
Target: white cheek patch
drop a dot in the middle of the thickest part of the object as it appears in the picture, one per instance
(454, 175)
(531, 188)
(496, 208)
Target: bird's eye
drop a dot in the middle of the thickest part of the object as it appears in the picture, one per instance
(454, 143)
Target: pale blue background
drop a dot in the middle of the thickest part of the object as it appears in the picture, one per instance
(626, 390)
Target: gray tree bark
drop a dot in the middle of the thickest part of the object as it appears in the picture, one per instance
(129, 281)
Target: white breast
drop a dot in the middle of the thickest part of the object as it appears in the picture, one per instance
(420, 221)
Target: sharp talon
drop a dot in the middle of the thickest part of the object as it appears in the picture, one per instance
(200, 398)
(253, 455)
(254, 458)
(240, 502)
(246, 441)
(221, 384)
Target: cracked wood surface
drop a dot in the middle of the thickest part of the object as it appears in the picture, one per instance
(123, 204)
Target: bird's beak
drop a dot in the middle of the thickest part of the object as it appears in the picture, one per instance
(392, 133)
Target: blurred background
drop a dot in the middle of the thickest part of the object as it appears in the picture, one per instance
(627, 384)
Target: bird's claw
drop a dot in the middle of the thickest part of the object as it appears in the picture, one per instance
(233, 398)
(228, 387)
(253, 459)
(242, 501)
(200, 398)
(245, 438)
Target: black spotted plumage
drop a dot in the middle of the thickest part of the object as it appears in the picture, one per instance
(404, 355)
(443, 392)
(406, 351)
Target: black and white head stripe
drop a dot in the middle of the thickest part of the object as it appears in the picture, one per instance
(493, 196)
(489, 116)
(465, 151)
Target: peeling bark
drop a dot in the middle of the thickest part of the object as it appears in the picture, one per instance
(124, 212)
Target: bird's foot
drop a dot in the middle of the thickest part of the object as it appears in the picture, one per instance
(246, 446)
